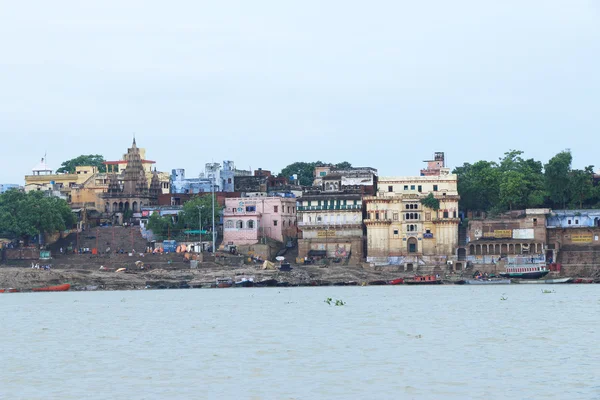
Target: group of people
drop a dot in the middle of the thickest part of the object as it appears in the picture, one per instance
(38, 266)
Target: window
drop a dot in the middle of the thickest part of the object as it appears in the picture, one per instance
(569, 222)
(229, 224)
(428, 216)
(395, 231)
(309, 203)
(427, 231)
(239, 224)
(390, 188)
(250, 224)
(420, 188)
(412, 187)
(534, 221)
(322, 173)
(408, 206)
(275, 208)
(576, 221)
(395, 216)
(355, 202)
(444, 194)
(454, 214)
(274, 222)
(405, 187)
(435, 188)
(229, 180)
(376, 215)
(445, 214)
(250, 208)
(319, 203)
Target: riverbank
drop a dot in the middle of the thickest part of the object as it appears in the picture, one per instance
(24, 278)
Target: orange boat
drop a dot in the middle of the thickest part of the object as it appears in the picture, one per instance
(9, 290)
(59, 288)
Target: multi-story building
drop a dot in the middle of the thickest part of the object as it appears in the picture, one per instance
(223, 179)
(8, 186)
(250, 220)
(402, 231)
(330, 213)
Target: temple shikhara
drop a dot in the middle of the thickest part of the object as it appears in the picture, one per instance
(131, 189)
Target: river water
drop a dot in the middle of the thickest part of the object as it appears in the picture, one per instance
(448, 342)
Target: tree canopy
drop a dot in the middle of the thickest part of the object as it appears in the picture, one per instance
(23, 215)
(94, 160)
(514, 183)
(306, 170)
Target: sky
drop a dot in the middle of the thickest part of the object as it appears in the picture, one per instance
(383, 84)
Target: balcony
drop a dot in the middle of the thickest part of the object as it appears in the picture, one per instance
(335, 207)
(332, 225)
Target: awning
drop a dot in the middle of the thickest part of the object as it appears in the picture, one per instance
(317, 253)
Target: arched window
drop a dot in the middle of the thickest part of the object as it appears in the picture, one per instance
(229, 224)
(250, 224)
(239, 224)
(408, 206)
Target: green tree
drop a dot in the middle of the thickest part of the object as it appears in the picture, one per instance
(512, 188)
(94, 160)
(581, 185)
(161, 226)
(478, 185)
(557, 173)
(191, 211)
(306, 170)
(23, 215)
(343, 165)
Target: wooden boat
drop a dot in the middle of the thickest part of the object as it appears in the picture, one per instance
(546, 281)
(525, 271)
(423, 280)
(488, 281)
(9, 290)
(59, 288)
(266, 283)
(245, 283)
(398, 281)
(377, 283)
(224, 282)
(582, 280)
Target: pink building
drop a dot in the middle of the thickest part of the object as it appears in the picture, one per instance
(246, 220)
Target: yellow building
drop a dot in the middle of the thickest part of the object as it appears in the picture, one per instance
(43, 178)
(402, 231)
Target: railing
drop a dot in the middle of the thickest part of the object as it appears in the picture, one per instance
(327, 224)
(334, 207)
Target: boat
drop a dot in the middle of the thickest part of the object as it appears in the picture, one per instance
(487, 281)
(546, 281)
(245, 282)
(59, 288)
(224, 282)
(9, 290)
(582, 280)
(377, 283)
(526, 271)
(423, 280)
(398, 281)
(267, 283)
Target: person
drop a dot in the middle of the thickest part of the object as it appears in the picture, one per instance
(61, 250)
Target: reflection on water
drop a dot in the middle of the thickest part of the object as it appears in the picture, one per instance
(287, 343)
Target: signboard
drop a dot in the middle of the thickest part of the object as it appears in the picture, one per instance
(499, 234)
(581, 238)
(428, 236)
(325, 234)
(523, 233)
(145, 213)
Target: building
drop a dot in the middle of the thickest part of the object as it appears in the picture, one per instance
(515, 237)
(402, 231)
(357, 176)
(116, 167)
(44, 179)
(254, 220)
(573, 241)
(8, 186)
(130, 190)
(223, 179)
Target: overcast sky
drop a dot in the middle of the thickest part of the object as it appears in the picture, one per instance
(266, 83)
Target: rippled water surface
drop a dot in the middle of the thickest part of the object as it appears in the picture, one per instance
(448, 342)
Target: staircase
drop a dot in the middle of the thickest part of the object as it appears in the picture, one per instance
(462, 235)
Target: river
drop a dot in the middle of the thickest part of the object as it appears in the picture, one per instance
(447, 342)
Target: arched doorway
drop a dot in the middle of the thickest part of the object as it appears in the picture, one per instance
(121, 206)
(115, 207)
(134, 206)
(412, 245)
(126, 205)
(462, 253)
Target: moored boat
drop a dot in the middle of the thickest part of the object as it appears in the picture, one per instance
(398, 281)
(526, 271)
(582, 280)
(245, 282)
(224, 282)
(488, 281)
(58, 288)
(423, 280)
(546, 281)
(267, 283)
(9, 290)
(377, 283)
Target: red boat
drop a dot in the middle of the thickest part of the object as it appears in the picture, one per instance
(423, 280)
(582, 280)
(9, 290)
(398, 281)
(59, 288)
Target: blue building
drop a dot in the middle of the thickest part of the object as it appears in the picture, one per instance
(7, 186)
(573, 219)
(222, 177)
